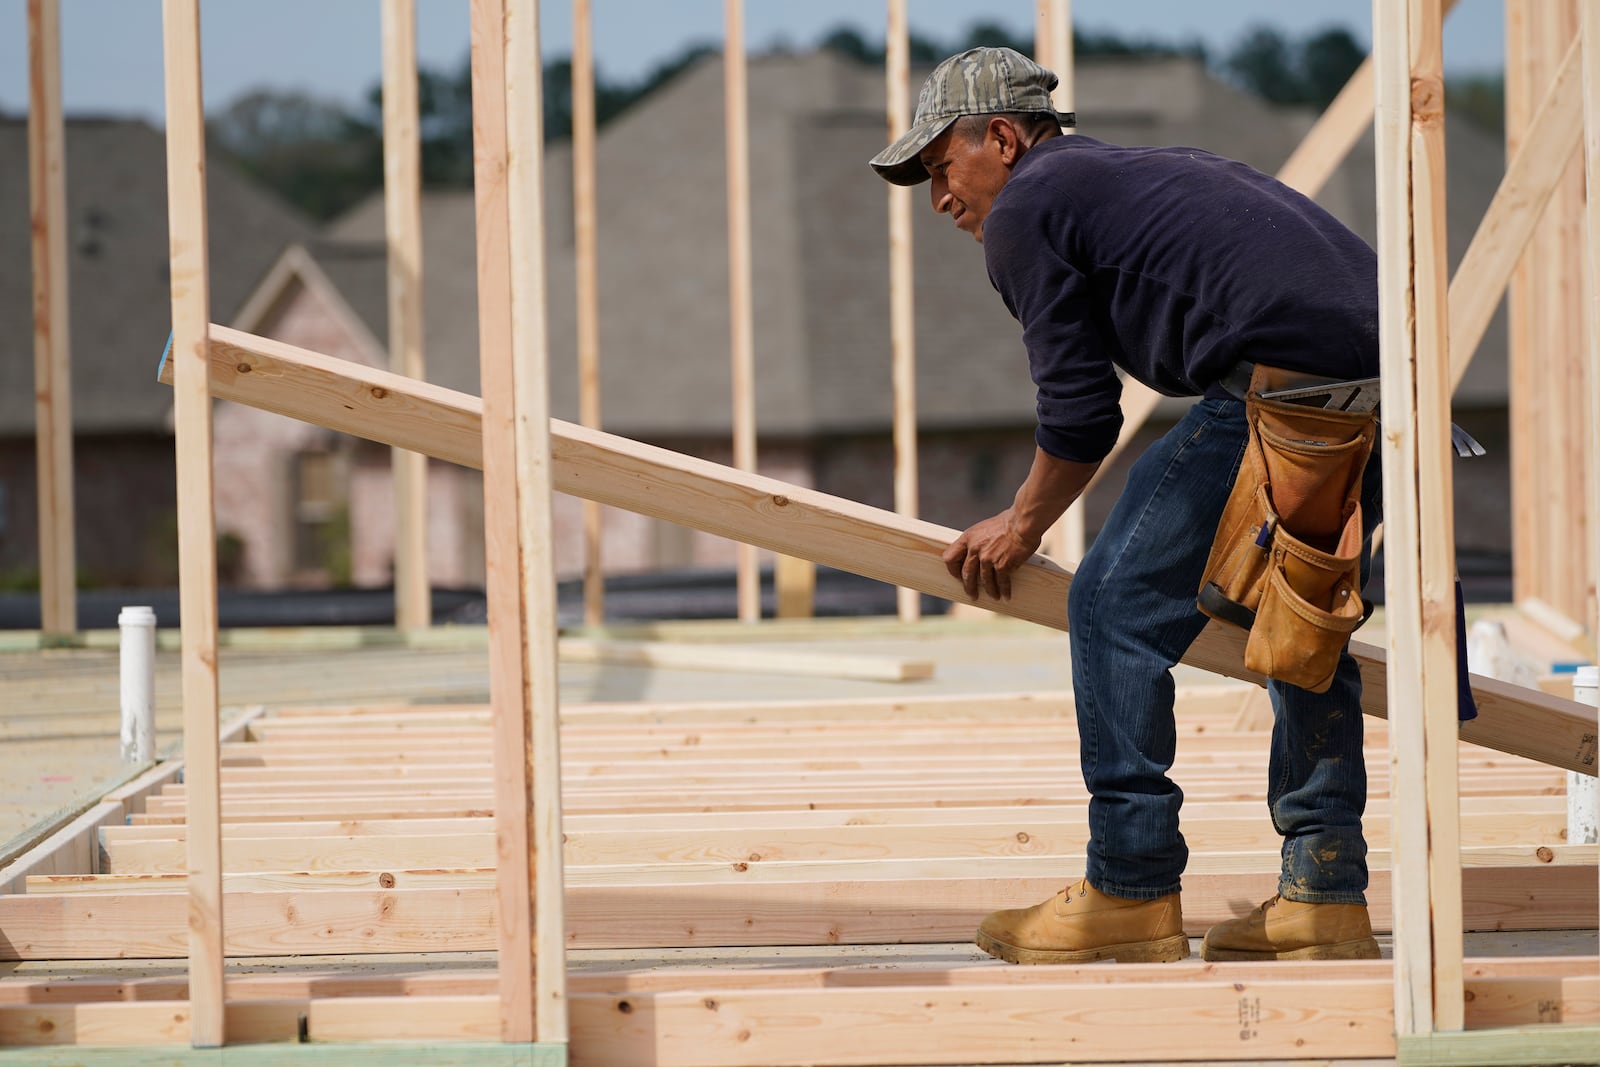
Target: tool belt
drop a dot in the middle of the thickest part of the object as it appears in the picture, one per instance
(1286, 562)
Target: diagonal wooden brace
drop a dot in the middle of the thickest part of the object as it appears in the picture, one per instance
(395, 410)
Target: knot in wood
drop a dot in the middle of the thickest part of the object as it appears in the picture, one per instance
(1427, 100)
(243, 368)
(780, 500)
(1543, 854)
(625, 1007)
(386, 880)
(741, 867)
(1022, 837)
(379, 392)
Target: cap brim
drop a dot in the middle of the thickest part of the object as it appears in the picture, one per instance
(898, 164)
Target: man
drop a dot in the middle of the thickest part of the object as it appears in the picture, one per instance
(1184, 269)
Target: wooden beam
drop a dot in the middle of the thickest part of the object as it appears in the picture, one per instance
(270, 1008)
(1591, 138)
(535, 778)
(505, 333)
(902, 299)
(1519, 203)
(52, 349)
(402, 224)
(758, 660)
(1417, 501)
(1067, 539)
(197, 541)
(940, 903)
(1023, 835)
(676, 1029)
(586, 277)
(1498, 981)
(736, 128)
(384, 407)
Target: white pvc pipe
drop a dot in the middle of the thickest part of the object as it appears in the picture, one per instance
(138, 626)
(1583, 796)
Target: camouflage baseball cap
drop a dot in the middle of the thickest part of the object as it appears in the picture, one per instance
(980, 81)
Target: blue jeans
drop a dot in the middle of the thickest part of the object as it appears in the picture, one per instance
(1131, 616)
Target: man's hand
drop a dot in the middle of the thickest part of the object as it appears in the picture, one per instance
(987, 554)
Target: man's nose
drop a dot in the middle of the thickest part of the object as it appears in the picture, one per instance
(940, 192)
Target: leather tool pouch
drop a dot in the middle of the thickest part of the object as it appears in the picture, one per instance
(1286, 561)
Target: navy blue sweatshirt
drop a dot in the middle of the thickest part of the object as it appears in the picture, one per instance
(1174, 264)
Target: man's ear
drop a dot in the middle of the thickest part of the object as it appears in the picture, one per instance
(1008, 139)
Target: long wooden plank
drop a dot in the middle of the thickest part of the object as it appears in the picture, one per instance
(766, 872)
(1535, 808)
(52, 351)
(1591, 139)
(736, 131)
(586, 280)
(1417, 495)
(1519, 203)
(875, 911)
(1497, 980)
(744, 658)
(402, 225)
(1022, 836)
(494, 440)
(902, 298)
(531, 770)
(383, 407)
(676, 1030)
(197, 563)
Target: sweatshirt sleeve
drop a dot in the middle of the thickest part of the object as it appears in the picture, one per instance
(1078, 403)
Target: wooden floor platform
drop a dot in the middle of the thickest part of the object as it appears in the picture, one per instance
(752, 883)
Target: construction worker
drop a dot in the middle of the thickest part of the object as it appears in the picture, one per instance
(1184, 270)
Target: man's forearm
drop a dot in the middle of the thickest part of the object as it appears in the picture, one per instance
(1051, 487)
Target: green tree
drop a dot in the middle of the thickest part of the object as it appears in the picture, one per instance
(311, 151)
(1326, 62)
(1310, 71)
(1264, 63)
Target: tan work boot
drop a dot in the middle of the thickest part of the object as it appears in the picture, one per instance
(1294, 930)
(1080, 923)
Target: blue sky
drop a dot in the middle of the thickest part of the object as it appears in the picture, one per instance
(112, 48)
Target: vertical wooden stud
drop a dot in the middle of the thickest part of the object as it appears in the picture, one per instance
(197, 541)
(1563, 562)
(1548, 463)
(588, 286)
(1576, 533)
(902, 305)
(1417, 508)
(52, 360)
(1523, 92)
(737, 125)
(1067, 540)
(522, 663)
(1591, 296)
(402, 217)
(530, 360)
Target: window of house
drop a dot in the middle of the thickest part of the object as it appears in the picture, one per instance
(321, 516)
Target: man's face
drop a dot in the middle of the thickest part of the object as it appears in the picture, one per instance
(968, 173)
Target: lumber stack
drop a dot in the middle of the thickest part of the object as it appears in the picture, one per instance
(367, 830)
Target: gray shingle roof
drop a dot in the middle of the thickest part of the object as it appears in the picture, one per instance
(820, 250)
(117, 247)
